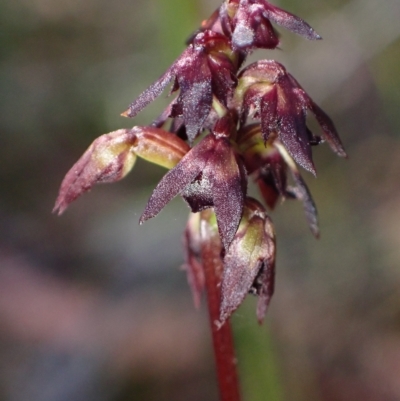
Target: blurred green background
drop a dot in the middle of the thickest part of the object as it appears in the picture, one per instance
(94, 307)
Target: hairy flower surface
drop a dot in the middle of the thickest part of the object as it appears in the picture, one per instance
(250, 262)
(210, 150)
(209, 175)
(267, 91)
(108, 159)
(248, 23)
(111, 156)
(269, 162)
(207, 67)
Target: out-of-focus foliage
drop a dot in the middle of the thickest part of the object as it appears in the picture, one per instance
(94, 307)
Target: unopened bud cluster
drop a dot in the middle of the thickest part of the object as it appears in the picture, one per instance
(227, 122)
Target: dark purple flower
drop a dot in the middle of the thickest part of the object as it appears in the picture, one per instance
(268, 92)
(209, 175)
(206, 68)
(248, 24)
(269, 162)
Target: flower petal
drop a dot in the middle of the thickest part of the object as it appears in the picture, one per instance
(177, 179)
(228, 189)
(198, 194)
(292, 128)
(108, 159)
(302, 193)
(272, 179)
(223, 77)
(241, 266)
(252, 29)
(226, 11)
(153, 91)
(245, 24)
(331, 135)
(252, 248)
(268, 107)
(266, 278)
(264, 284)
(289, 21)
(194, 79)
(294, 136)
(301, 190)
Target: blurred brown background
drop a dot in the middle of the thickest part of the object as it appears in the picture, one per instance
(94, 307)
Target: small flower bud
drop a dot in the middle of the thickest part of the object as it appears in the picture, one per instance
(108, 159)
(251, 253)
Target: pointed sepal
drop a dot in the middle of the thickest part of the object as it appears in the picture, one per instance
(177, 179)
(252, 251)
(289, 21)
(108, 159)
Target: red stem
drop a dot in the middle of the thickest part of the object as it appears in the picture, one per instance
(224, 351)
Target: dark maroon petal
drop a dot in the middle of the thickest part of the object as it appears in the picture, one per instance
(268, 190)
(293, 134)
(178, 127)
(162, 118)
(268, 107)
(153, 91)
(243, 175)
(277, 169)
(237, 281)
(302, 193)
(252, 29)
(241, 267)
(202, 194)
(194, 79)
(264, 283)
(212, 23)
(272, 179)
(251, 105)
(246, 22)
(199, 194)
(266, 37)
(289, 21)
(292, 129)
(223, 77)
(227, 189)
(224, 15)
(176, 180)
(331, 135)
